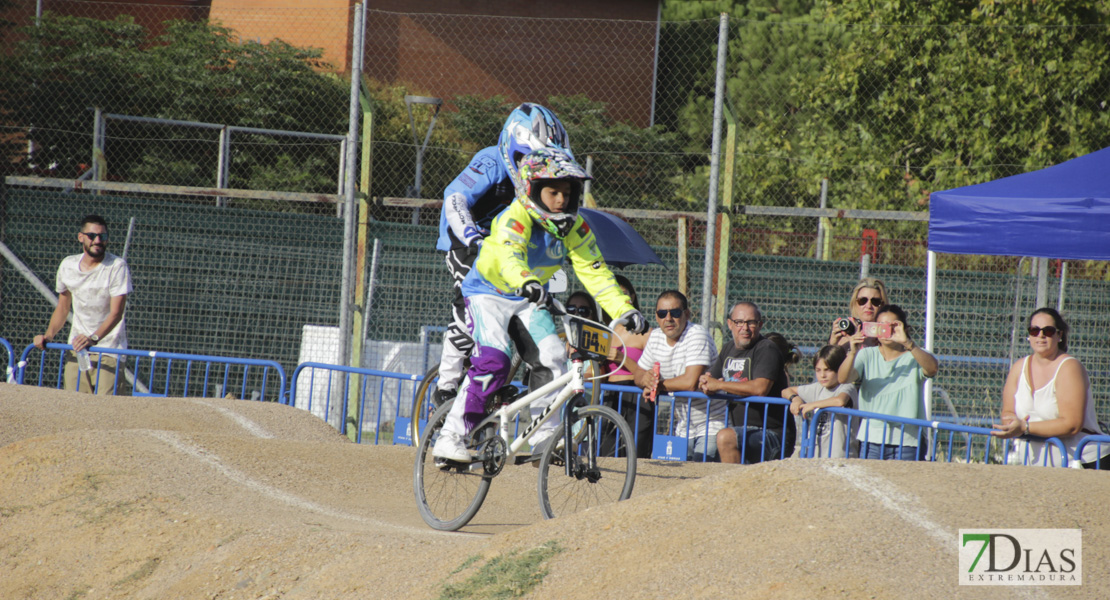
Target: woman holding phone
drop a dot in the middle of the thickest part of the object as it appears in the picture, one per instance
(891, 379)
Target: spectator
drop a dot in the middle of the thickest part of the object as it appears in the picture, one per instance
(582, 304)
(891, 376)
(1050, 390)
(639, 413)
(684, 350)
(95, 284)
(868, 295)
(826, 391)
(751, 365)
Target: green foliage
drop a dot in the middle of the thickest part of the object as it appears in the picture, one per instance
(633, 167)
(395, 150)
(478, 121)
(512, 575)
(195, 71)
(890, 100)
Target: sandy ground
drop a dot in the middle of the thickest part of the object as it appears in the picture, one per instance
(207, 498)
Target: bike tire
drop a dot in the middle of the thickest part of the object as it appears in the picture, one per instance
(447, 498)
(423, 407)
(597, 480)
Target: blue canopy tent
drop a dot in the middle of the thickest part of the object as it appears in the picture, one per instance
(1060, 212)
(1057, 212)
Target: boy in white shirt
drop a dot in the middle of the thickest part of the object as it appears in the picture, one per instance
(826, 391)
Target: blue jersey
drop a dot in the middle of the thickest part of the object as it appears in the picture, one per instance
(488, 189)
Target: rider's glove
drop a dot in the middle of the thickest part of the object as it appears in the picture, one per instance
(473, 240)
(634, 321)
(474, 246)
(533, 292)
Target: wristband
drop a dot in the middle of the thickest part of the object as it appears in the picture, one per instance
(1026, 426)
(791, 398)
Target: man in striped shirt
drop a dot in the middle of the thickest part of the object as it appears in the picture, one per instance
(684, 350)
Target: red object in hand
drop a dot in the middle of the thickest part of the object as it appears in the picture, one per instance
(651, 392)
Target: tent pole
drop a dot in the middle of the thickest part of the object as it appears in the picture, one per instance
(1063, 281)
(930, 324)
(1042, 282)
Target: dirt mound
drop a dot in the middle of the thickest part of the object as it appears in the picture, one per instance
(206, 498)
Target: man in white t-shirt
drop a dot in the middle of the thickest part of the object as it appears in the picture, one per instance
(684, 350)
(95, 285)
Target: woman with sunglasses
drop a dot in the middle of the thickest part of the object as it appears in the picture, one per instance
(1048, 394)
(582, 304)
(868, 295)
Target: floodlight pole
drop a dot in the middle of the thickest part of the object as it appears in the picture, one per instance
(437, 103)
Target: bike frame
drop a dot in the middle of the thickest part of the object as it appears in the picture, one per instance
(570, 383)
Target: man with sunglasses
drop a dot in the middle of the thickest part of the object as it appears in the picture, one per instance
(684, 350)
(751, 365)
(95, 285)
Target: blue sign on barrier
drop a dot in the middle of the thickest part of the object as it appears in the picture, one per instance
(665, 446)
(402, 431)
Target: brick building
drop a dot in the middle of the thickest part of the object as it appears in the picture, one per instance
(519, 49)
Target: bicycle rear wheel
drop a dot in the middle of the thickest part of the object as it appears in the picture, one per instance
(594, 479)
(423, 406)
(448, 496)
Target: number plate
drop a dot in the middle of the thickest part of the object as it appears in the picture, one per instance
(592, 340)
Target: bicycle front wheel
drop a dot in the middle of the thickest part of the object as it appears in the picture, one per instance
(595, 478)
(447, 495)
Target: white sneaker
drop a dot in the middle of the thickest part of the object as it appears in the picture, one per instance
(450, 446)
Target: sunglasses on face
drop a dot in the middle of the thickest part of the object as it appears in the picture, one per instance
(582, 311)
(876, 302)
(93, 236)
(1048, 331)
(674, 312)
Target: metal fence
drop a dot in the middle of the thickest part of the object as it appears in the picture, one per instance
(835, 127)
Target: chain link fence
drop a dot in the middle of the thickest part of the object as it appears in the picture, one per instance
(826, 109)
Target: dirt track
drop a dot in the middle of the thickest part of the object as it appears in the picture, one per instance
(206, 498)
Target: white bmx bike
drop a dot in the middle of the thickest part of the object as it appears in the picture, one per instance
(590, 459)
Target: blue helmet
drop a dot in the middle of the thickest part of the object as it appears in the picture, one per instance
(530, 127)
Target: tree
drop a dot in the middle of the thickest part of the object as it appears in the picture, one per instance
(195, 71)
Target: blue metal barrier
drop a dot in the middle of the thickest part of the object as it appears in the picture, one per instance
(956, 440)
(169, 382)
(1099, 440)
(660, 450)
(307, 400)
(11, 375)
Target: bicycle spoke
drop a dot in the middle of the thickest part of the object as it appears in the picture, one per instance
(448, 498)
(595, 480)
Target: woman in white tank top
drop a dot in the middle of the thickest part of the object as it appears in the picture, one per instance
(1048, 395)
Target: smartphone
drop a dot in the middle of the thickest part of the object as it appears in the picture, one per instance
(877, 330)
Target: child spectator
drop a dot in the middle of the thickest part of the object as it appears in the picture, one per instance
(824, 392)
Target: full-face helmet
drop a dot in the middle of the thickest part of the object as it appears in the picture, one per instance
(530, 127)
(541, 167)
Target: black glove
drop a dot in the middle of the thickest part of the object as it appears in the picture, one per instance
(534, 292)
(634, 322)
(474, 246)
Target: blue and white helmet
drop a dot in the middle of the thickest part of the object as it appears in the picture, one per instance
(545, 165)
(530, 127)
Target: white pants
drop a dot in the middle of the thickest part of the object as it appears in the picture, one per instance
(489, 319)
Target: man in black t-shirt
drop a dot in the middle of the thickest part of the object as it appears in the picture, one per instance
(751, 365)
